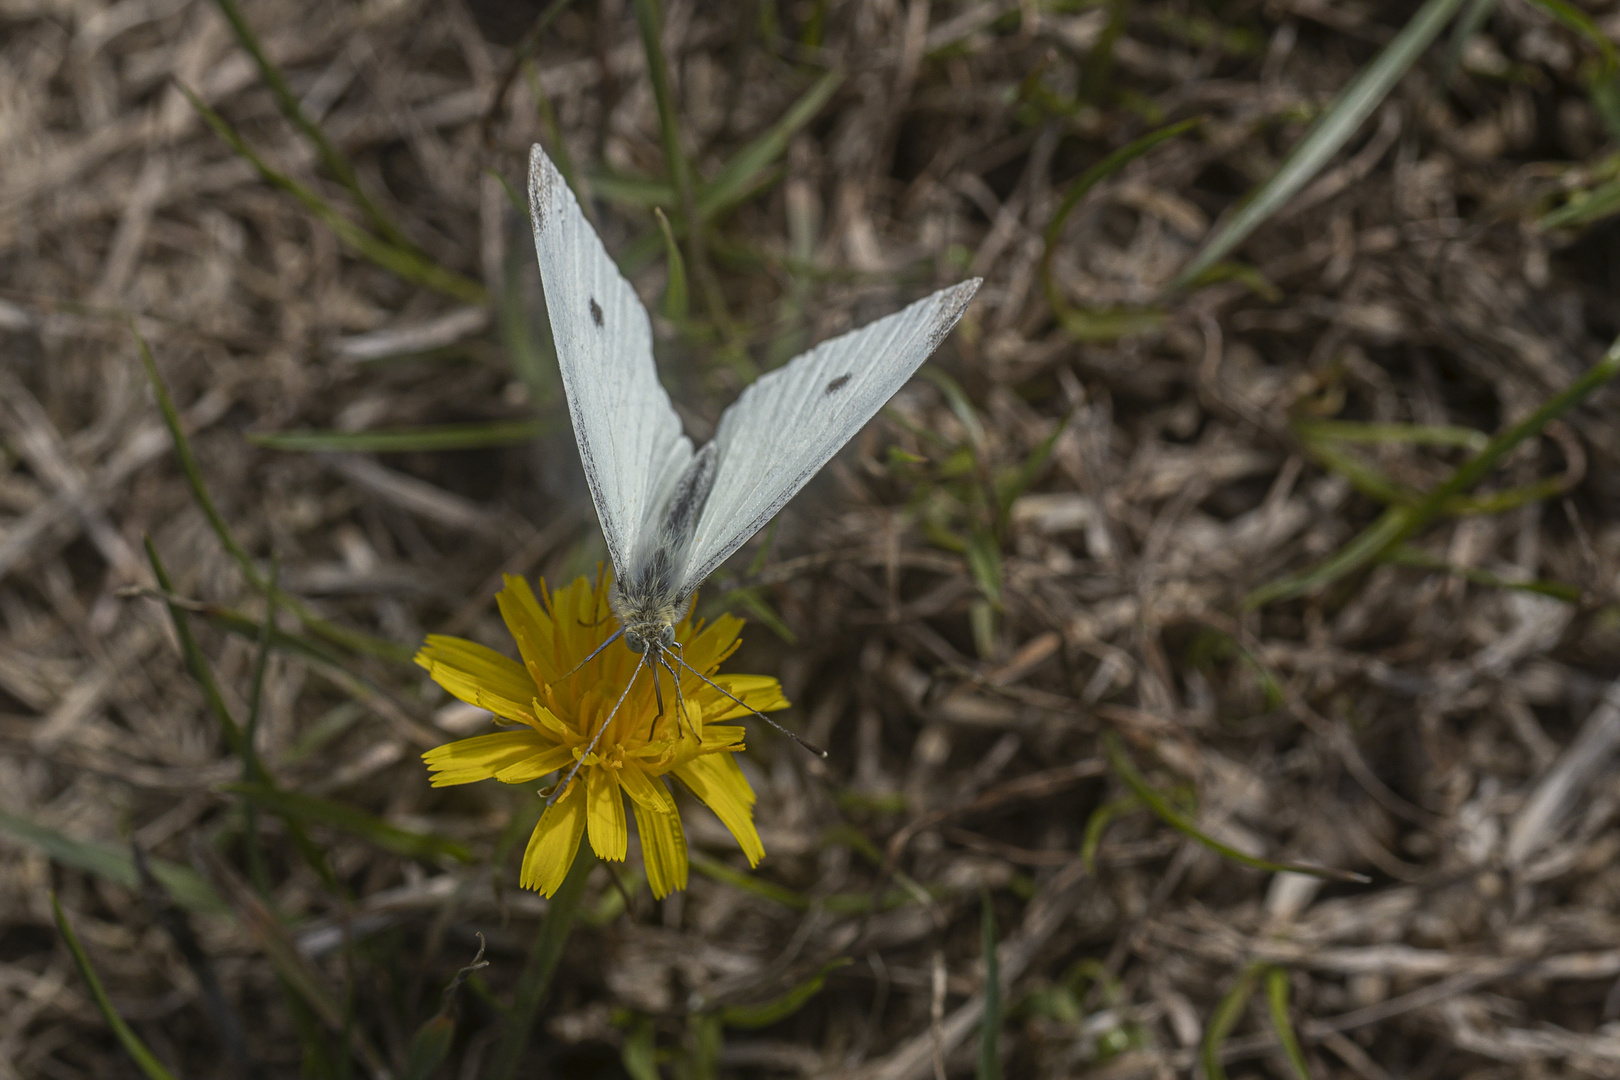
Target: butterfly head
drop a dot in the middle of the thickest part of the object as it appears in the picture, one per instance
(648, 618)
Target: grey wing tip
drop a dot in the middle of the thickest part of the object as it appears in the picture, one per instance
(958, 296)
(543, 178)
(952, 302)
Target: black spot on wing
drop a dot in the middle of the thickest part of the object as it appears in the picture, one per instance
(596, 312)
(837, 384)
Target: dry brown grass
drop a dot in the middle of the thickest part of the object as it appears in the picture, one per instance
(1444, 734)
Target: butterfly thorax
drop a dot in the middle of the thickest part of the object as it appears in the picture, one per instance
(647, 615)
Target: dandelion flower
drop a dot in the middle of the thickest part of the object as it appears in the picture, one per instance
(559, 712)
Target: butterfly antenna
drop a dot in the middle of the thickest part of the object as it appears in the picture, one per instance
(617, 634)
(816, 750)
(557, 792)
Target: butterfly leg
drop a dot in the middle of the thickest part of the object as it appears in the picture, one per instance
(658, 691)
(680, 699)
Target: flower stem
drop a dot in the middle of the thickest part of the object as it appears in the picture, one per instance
(543, 957)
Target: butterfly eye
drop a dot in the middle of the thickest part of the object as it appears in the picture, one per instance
(667, 637)
(634, 641)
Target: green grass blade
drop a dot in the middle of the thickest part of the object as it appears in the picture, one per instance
(521, 56)
(1500, 502)
(637, 192)
(557, 148)
(404, 262)
(1363, 476)
(1585, 207)
(1579, 21)
(343, 637)
(639, 1054)
(190, 468)
(320, 1060)
(311, 810)
(1020, 479)
(1105, 324)
(336, 165)
(1417, 558)
(740, 176)
(252, 771)
(990, 1019)
(240, 741)
(1098, 823)
(525, 332)
(115, 864)
(1153, 800)
(428, 437)
(1471, 22)
(1335, 128)
(984, 562)
(1227, 1013)
(705, 1039)
(235, 622)
(650, 21)
(1086, 324)
(1108, 166)
(428, 1048)
(542, 962)
(676, 306)
(1365, 548)
(1400, 522)
(196, 665)
(961, 406)
(127, 1038)
(783, 1005)
(1098, 69)
(750, 599)
(302, 979)
(1277, 1000)
(726, 874)
(431, 1043)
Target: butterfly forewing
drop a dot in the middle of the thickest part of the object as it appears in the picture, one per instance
(629, 436)
(791, 421)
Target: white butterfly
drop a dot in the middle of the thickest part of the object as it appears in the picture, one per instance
(671, 516)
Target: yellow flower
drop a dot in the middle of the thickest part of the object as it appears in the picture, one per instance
(561, 713)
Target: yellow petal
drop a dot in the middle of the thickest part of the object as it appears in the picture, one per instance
(722, 736)
(554, 841)
(716, 642)
(759, 693)
(534, 767)
(645, 791)
(533, 630)
(482, 757)
(581, 620)
(610, 832)
(546, 720)
(479, 676)
(663, 850)
(716, 779)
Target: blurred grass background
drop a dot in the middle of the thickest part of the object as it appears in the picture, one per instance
(1215, 643)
